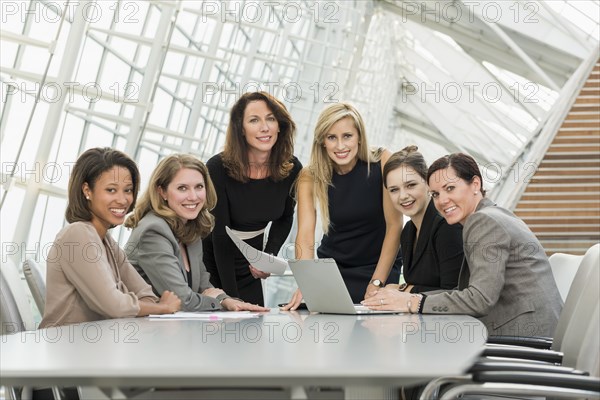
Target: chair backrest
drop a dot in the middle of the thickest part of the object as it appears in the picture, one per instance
(19, 291)
(36, 281)
(564, 267)
(589, 353)
(590, 259)
(10, 318)
(582, 317)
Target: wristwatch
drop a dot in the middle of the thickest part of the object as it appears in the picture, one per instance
(403, 287)
(377, 282)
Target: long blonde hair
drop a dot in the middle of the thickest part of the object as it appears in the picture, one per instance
(151, 200)
(320, 167)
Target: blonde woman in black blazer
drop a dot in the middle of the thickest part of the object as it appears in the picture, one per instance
(432, 250)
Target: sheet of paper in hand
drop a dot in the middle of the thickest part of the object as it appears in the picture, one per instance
(259, 259)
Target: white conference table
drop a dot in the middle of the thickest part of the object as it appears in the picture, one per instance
(275, 349)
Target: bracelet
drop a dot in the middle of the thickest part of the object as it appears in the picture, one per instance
(421, 303)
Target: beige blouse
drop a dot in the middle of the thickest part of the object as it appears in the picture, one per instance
(90, 279)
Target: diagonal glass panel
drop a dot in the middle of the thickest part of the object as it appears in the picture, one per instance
(156, 77)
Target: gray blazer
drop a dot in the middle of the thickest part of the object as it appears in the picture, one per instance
(154, 252)
(505, 279)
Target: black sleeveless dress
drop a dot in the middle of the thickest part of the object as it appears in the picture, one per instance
(357, 227)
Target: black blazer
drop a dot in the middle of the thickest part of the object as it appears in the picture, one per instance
(438, 256)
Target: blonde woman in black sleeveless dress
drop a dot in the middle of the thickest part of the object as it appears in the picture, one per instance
(360, 225)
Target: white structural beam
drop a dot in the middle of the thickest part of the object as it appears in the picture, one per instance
(65, 75)
(150, 80)
(199, 100)
(557, 58)
(26, 40)
(515, 47)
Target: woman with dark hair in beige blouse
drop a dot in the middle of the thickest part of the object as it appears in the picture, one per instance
(88, 275)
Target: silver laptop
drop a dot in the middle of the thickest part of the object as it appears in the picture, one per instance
(323, 288)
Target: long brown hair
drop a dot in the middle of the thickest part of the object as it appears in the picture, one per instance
(162, 176)
(235, 152)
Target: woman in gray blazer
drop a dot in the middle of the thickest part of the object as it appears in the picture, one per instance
(169, 223)
(505, 279)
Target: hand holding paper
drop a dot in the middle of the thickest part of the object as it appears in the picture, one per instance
(259, 259)
(257, 273)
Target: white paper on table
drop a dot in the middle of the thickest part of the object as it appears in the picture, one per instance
(206, 316)
(259, 259)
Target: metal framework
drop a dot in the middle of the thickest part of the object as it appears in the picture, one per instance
(156, 77)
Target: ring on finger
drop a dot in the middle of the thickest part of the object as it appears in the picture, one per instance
(381, 301)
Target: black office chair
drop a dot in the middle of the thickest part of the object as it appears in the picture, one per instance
(536, 360)
(577, 377)
(526, 383)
